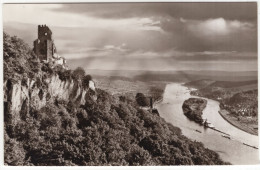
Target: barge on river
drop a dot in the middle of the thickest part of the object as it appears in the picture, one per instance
(208, 124)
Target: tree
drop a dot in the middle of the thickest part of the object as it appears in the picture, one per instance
(78, 73)
(139, 156)
(141, 99)
(86, 79)
(14, 153)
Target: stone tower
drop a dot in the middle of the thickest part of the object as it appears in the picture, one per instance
(44, 46)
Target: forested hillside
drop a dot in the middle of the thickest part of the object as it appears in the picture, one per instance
(52, 117)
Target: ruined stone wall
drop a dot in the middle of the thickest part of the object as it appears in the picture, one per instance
(44, 33)
(43, 46)
(49, 49)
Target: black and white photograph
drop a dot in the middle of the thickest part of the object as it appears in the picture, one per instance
(130, 84)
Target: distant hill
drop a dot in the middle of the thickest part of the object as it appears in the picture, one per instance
(229, 84)
(187, 76)
(206, 87)
(243, 97)
(171, 76)
(199, 83)
(113, 78)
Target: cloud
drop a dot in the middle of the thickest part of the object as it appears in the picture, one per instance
(214, 34)
(157, 32)
(183, 20)
(219, 27)
(47, 14)
(108, 51)
(157, 64)
(140, 33)
(119, 53)
(193, 11)
(212, 27)
(218, 56)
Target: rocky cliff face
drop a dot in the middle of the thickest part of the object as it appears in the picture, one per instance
(22, 95)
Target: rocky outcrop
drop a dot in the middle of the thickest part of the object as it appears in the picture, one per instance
(21, 95)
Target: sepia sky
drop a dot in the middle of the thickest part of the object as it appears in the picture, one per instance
(144, 36)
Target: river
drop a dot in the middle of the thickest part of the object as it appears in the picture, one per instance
(230, 150)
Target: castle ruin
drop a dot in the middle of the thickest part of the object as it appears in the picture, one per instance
(44, 46)
(45, 49)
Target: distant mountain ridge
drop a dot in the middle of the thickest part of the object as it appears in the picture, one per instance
(228, 84)
(202, 83)
(176, 76)
(199, 83)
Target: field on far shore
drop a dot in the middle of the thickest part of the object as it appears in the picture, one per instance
(128, 87)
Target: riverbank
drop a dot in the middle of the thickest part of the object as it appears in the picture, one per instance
(238, 124)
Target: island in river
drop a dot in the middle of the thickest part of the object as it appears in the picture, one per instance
(238, 101)
(193, 107)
